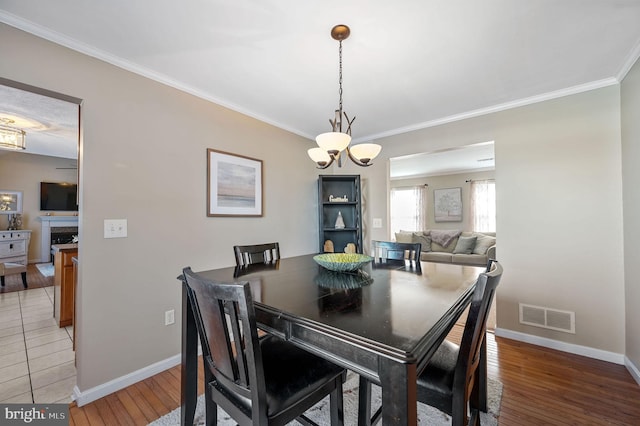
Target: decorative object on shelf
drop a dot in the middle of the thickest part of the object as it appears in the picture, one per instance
(339, 221)
(15, 222)
(343, 199)
(328, 246)
(234, 184)
(10, 202)
(448, 204)
(11, 137)
(342, 262)
(350, 248)
(331, 144)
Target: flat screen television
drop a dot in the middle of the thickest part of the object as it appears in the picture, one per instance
(58, 196)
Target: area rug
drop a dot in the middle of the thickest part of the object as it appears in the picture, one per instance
(45, 269)
(320, 412)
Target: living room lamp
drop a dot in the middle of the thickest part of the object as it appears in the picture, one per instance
(331, 144)
(11, 137)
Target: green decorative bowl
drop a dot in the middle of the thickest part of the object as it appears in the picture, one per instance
(342, 262)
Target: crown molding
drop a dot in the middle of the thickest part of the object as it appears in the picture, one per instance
(496, 108)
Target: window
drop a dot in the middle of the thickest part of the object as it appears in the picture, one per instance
(408, 208)
(483, 205)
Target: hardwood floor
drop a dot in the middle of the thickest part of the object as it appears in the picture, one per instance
(541, 387)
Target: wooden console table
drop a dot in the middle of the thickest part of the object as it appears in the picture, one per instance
(63, 294)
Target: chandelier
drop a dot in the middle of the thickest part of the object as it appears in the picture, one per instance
(331, 144)
(11, 137)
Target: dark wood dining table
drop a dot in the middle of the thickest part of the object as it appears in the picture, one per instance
(384, 322)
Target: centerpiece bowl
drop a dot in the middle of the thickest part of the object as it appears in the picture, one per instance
(342, 262)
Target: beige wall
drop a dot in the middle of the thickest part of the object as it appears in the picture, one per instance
(24, 172)
(143, 158)
(457, 180)
(631, 178)
(559, 207)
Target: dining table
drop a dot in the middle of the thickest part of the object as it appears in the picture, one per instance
(382, 321)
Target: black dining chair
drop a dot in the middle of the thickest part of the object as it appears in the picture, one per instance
(451, 380)
(396, 253)
(256, 381)
(257, 253)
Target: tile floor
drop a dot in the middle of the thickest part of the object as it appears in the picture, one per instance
(36, 356)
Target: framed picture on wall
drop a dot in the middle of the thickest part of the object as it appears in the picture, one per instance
(234, 184)
(10, 202)
(448, 204)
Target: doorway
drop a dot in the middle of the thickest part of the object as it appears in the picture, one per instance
(42, 354)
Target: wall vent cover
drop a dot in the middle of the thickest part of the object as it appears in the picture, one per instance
(553, 319)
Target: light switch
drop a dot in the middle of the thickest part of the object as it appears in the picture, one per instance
(115, 228)
(377, 222)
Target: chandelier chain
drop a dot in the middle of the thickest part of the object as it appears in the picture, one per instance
(340, 80)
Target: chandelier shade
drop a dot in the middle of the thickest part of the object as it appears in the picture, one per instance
(333, 141)
(331, 144)
(365, 152)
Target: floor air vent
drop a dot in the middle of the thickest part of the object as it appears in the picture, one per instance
(553, 319)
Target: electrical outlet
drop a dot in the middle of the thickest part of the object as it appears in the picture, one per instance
(377, 222)
(169, 317)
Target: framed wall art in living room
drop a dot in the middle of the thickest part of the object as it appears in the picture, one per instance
(448, 204)
(234, 184)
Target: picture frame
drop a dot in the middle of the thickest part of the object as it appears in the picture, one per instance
(447, 204)
(234, 185)
(10, 202)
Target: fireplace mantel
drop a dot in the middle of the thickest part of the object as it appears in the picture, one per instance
(49, 222)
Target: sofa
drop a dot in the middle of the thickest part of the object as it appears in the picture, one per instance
(452, 246)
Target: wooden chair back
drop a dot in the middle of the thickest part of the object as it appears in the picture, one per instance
(390, 251)
(226, 323)
(258, 253)
(466, 376)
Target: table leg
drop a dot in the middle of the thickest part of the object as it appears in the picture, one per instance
(399, 393)
(189, 373)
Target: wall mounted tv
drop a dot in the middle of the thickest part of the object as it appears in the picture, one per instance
(58, 196)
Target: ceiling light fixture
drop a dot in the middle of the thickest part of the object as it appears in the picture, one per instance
(331, 144)
(11, 137)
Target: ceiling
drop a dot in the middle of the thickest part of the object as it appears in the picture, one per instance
(407, 65)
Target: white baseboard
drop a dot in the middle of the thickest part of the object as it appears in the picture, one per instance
(633, 369)
(114, 385)
(562, 346)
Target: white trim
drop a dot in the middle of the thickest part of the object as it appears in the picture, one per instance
(562, 346)
(633, 369)
(78, 46)
(495, 108)
(122, 382)
(81, 47)
(631, 60)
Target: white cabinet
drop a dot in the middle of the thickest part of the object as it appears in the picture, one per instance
(14, 246)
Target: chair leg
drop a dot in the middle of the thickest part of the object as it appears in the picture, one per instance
(211, 410)
(24, 279)
(474, 418)
(2, 280)
(336, 404)
(364, 402)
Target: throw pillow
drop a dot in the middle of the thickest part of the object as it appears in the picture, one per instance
(483, 243)
(404, 237)
(465, 245)
(424, 240)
